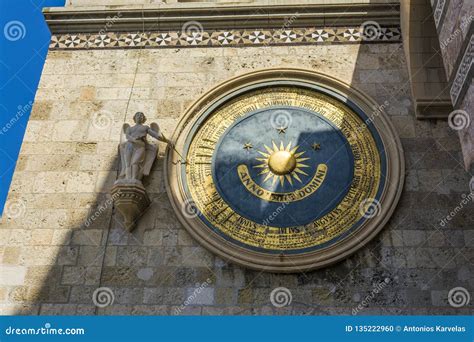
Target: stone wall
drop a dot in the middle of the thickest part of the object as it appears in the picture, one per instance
(428, 81)
(53, 256)
(454, 23)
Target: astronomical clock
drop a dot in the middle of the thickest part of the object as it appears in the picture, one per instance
(284, 170)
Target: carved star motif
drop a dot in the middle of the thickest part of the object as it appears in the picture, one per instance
(316, 146)
(247, 146)
(282, 130)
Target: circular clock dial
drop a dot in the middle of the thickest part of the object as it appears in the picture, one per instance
(278, 174)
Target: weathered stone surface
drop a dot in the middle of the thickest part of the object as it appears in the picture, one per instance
(68, 165)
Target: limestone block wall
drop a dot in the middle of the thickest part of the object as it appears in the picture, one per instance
(60, 240)
(455, 29)
(428, 81)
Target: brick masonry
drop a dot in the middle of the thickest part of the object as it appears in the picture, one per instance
(53, 258)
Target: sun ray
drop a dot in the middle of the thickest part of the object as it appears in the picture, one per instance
(300, 171)
(269, 150)
(280, 163)
(269, 175)
(295, 175)
(275, 179)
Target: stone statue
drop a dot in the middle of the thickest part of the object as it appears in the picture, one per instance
(136, 154)
(137, 157)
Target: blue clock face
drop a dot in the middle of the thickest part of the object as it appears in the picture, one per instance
(284, 170)
(283, 166)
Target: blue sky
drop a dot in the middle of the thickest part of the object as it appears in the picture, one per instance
(24, 38)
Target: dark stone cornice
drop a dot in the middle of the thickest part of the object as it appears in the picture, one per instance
(164, 18)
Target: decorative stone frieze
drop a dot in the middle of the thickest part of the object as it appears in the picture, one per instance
(223, 38)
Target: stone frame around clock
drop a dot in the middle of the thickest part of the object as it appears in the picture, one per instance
(285, 263)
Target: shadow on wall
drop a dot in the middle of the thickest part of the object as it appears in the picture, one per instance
(61, 274)
(421, 254)
(62, 265)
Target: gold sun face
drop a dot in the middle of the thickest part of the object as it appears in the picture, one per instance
(280, 163)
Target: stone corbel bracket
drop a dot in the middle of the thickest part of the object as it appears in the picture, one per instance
(131, 200)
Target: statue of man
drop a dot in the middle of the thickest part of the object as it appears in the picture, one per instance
(136, 154)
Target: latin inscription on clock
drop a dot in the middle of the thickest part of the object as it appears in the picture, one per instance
(282, 169)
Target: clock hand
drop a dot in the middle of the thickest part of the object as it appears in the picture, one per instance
(183, 160)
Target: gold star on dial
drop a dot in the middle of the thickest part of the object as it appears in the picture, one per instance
(282, 130)
(316, 146)
(247, 146)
